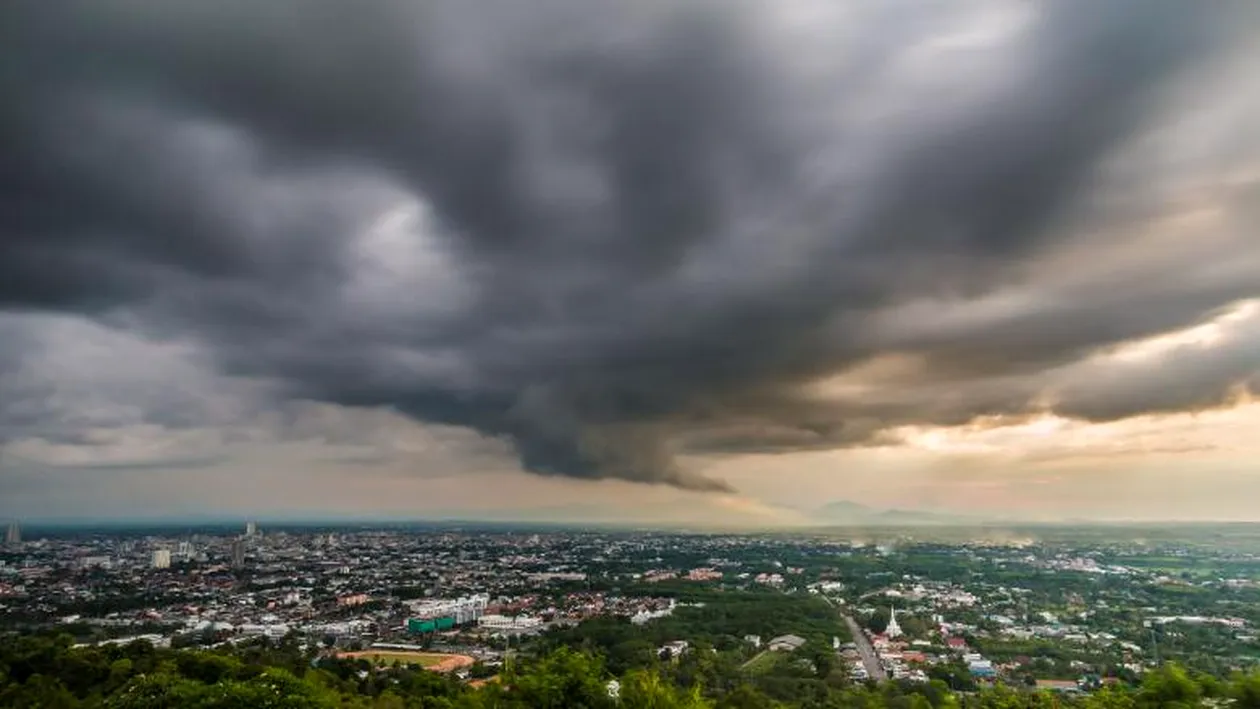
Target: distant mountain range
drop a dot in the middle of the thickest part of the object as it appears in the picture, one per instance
(845, 513)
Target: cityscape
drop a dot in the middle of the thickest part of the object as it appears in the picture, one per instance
(1065, 610)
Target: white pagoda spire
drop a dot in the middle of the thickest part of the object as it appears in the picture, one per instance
(893, 630)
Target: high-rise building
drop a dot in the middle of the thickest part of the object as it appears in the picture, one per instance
(238, 553)
(161, 558)
(13, 535)
(185, 551)
(251, 529)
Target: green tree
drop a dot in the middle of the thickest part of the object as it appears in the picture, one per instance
(745, 696)
(562, 680)
(156, 691)
(1110, 698)
(1245, 691)
(1169, 687)
(38, 692)
(648, 690)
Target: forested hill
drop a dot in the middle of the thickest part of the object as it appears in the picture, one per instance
(48, 673)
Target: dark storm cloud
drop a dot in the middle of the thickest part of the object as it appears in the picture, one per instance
(644, 225)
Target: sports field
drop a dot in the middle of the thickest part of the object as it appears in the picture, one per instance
(436, 661)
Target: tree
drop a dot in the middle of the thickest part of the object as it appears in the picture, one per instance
(745, 696)
(38, 692)
(1245, 690)
(208, 667)
(561, 680)
(1169, 687)
(120, 671)
(648, 690)
(155, 692)
(824, 659)
(1110, 698)
(878, 621)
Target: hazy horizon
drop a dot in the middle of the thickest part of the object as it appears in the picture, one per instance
(809, 519)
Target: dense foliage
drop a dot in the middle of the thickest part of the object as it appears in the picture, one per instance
(49, 673)
(719, 621)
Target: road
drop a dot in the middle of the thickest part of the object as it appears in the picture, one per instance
(869, 659)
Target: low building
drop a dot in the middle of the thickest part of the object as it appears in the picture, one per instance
(673, 650)
(509, 624)
(1058, 685)
(786, 643)
(982, 669)
(459, 610)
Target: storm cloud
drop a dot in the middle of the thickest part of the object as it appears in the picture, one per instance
(609, 232)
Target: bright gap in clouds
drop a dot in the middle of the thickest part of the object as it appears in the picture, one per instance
(1229, 427)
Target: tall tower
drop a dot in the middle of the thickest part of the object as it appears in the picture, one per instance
(251, 529)
(13, 535)
(238, 554)
(893, 630)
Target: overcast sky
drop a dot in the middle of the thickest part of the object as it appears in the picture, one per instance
(653, 261)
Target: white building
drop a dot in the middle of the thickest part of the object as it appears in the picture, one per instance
(153, 639)
(674, 650)
(464, 610)
(161, 558)
(508, 624)
(645, 616)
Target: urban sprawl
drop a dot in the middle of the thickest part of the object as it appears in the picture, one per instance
(1065, 610)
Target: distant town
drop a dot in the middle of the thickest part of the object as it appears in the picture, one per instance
(1066, 612)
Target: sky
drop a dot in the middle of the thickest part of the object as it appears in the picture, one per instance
(664, 262)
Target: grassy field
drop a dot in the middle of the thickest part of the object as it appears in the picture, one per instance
(402, 657)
